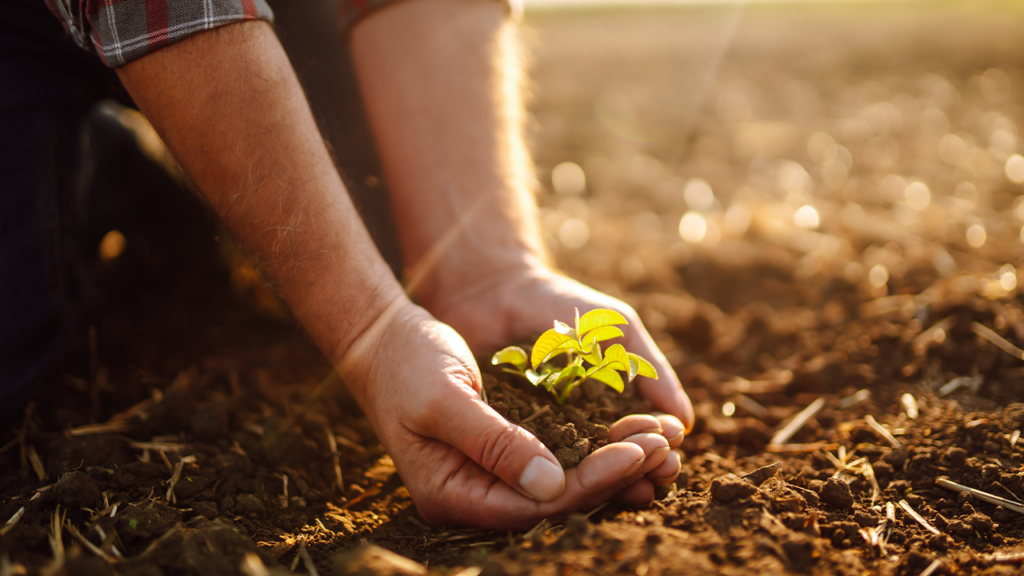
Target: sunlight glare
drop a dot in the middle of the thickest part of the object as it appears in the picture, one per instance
(917, 195)
(698, 195)
(806, 217)
(568, 178)
(878, 276)
(693, 227)
(1008, 277)
(574, 233)
(976, 236)
(1015, 169)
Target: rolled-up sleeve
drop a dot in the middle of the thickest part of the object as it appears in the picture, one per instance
(120, 31)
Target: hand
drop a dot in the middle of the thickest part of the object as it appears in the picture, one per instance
(462, 462)
(500, 308)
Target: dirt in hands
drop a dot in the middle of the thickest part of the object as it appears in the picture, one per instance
(572, 430)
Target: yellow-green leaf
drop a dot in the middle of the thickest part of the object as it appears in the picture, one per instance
(594, 357)
(645, 368)
(609, 377)
(617, 358)
(545, 345)
(601, 334)
(562, 348)
(538, 379)
(598, 318)
(512, 355)
(569, 372)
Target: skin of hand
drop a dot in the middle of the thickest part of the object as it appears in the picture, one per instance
(461, 461)
(227, 104)
(442, 83)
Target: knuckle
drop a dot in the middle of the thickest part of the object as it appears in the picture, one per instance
(498, 449)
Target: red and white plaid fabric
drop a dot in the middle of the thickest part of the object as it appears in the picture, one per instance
(120, 31)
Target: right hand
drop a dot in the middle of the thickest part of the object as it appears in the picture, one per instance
(461, 461)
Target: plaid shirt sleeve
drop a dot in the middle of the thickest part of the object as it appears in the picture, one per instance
(120, 31)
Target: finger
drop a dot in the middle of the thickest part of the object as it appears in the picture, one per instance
(639, 494)
(633, 424)
(469, 498)
(672, 429)
(655, 448)
(666, 393)
(666, 472)
(509, 452)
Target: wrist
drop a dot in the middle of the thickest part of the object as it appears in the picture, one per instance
(466, 273)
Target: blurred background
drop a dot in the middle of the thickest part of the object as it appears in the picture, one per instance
(773, 151)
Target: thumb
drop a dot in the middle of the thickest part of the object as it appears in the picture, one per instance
(509, 452)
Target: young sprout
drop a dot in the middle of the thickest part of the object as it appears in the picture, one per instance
(585, 359)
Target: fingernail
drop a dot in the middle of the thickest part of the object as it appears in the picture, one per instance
(543, 480)
(652, 430)
(665, 481)
(677, 438)
(636, 465)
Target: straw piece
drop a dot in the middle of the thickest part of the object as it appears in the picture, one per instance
(998, 340)
(102, 428)
(1014, 556)
(798, 448)
(253, 566)
(920, 519)
(14, 520)
(37, 464)
(883, 432)
(85, 542)
(932, 568)
(306, 560)
(174, 481)
(972, 382)
(158, 446)
(985, 496)
(910, 405)
(798, 421)
(546, 408)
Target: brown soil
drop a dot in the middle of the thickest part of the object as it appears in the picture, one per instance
(760, 321)
(571, 431)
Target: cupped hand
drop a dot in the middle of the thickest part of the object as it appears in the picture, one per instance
(494, 310)
(461, 461)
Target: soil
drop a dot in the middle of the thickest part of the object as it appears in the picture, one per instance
(192, 431)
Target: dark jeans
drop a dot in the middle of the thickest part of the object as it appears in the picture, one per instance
(51, 212)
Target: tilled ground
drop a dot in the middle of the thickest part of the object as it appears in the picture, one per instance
(192, 435)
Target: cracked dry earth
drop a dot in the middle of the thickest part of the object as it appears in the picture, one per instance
(847, 369)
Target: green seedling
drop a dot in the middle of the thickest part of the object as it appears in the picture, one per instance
(585, 361)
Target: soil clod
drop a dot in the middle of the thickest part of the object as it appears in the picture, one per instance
(759, 476)
(837, 493)
(730, 488)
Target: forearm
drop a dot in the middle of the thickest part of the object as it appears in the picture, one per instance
(230, 109)
(440, 79)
